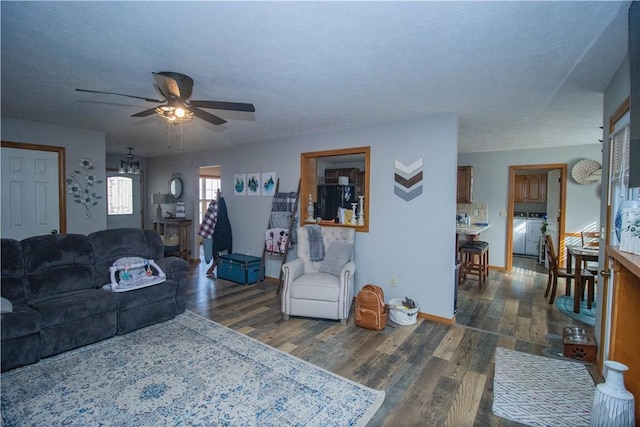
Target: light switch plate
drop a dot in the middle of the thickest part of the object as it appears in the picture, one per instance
(503, 213)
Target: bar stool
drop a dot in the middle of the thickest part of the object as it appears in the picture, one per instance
(474, 257)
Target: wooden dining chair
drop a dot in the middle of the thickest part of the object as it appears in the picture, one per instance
(555, 273)
(590, 240)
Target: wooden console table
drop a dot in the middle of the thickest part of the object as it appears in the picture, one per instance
(183, 227)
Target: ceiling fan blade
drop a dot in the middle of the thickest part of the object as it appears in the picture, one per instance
(121, 94)
(204, 115)
(168, 85)
(144, 113)
(221, 105)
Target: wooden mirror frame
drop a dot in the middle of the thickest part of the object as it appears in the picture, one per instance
(309, 180)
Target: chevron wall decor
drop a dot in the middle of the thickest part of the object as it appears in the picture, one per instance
(408, 180)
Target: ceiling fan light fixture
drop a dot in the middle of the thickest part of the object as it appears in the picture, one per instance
(175, 115)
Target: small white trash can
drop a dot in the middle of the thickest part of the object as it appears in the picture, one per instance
(400, 314)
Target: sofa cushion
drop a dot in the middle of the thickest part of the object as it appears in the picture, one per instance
(57, 263)
(60, 280)
(13, 285)
(55, 250)
(70, 306)
(12, 265)
(22, 322)
(144, 296)
(316, 286)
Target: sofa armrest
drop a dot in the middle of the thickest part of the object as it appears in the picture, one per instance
(347, 279)
(292, 270)
(347, 272)
(172, 265)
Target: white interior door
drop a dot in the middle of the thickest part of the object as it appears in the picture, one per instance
(30, 202)
(553, 205)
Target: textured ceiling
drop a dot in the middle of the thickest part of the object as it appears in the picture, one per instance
(519, 74)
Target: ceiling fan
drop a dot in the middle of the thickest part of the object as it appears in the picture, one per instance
(176, 90)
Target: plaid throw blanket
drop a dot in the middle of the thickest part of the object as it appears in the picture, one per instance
(209, 221)
(283, 202)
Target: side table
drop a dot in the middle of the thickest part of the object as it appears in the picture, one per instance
(162, 226)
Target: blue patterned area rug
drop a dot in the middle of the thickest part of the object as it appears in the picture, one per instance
(540, 391)
(187, 371)
(587, 316)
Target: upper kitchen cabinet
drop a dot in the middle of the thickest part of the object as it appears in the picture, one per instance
(465, 184)
(530, 188)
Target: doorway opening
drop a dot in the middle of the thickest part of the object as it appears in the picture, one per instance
(534, 191)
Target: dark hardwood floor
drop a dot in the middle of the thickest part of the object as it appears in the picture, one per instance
(433, 374)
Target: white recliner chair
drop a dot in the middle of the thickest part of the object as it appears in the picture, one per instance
(322, 289)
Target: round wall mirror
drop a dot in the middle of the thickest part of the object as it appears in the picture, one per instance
(175, 188)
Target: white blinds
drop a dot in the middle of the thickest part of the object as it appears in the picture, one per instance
(619, 157)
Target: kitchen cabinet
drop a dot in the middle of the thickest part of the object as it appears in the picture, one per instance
(530, 188)
(465, 184)
(331, 175)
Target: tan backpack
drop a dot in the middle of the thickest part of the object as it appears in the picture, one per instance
(371, 311)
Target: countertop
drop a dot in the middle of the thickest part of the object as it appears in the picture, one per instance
(472, 230)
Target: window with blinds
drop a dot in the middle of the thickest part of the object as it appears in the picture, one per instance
(619, 158)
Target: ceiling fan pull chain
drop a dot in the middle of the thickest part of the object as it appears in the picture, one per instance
(169, 133)
(181, 136)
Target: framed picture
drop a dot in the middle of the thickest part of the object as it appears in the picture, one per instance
(253, 184)
(239, 184)
(268, 183)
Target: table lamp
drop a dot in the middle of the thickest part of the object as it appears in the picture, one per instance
(159, 199)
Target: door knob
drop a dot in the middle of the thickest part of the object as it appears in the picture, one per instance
(605, 273)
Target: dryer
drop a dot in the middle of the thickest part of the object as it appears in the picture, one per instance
(534, 233)
(519, 233)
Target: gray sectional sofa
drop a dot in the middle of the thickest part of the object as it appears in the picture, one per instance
(54, 283)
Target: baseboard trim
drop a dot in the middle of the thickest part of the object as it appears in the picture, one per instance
(437, 319)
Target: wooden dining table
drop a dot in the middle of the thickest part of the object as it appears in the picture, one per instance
(580, 254)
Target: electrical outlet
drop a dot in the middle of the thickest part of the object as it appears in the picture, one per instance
(393, 282)
(475, 212)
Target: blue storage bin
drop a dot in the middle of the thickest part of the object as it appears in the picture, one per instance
(239, 268)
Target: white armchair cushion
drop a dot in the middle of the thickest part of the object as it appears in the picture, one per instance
(338, 255)
(316, 286)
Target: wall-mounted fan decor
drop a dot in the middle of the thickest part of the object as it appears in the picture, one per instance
(175, 89)
(587, 171)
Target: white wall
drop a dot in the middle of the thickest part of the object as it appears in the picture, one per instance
(412, 242)
(491, 186)
(79, 144)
